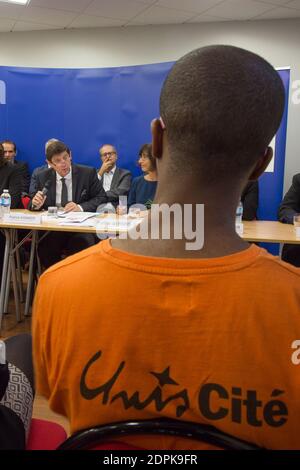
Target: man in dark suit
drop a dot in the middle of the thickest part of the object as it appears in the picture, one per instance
(116, 181)
(289, 207)
(73, 187)
(10, 152)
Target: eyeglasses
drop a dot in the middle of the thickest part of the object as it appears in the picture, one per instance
(108, 154)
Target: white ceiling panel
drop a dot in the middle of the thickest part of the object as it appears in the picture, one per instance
(25, 26)
(197, 6)
(48, 16)
(85, 21)
(275, 2)
(10, 11)
(125, 9)
(279, 13)
(161, 15)
(6, 25)
(64, 14)
(206, 19)
(239, 9)
(68, 5)
(294, 4)
(147, 2)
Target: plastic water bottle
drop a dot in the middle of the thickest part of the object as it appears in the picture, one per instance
(5, 202)
(239, 218)
(122, 208)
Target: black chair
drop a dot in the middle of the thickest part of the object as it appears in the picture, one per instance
(90, 438)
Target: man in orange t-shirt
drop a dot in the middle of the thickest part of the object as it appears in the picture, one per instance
(144, 328)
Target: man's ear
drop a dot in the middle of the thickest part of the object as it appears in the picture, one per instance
(262, 164)
(157, 138)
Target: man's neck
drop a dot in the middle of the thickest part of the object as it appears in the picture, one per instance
(219, 235)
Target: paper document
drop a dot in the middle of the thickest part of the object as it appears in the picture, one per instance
(71, 218)
(113, 224)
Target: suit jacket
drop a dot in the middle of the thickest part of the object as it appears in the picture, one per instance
(86, 188)
(24, 174)
(290, 205)
(249, 199)
(120, 185)
(33, 183)
(10, 179)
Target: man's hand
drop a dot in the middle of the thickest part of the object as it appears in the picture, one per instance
(38, 200)
(72, 207)
(106, 166)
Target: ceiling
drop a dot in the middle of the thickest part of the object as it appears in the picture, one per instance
(70, 14)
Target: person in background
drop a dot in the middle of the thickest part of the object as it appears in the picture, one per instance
(16, 393)
(9, 179)
(75, 188)
(290, 207)
(115, 181)
(10, 153)
(143, 187)
(249, 200)
(33, 182)
(157, 328)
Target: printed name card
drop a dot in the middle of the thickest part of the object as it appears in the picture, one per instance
(20, 218)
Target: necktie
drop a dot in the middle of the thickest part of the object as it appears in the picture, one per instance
(64, 193)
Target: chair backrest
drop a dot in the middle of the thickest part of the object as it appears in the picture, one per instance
(89, 438)
(45, 435)
(25, 201)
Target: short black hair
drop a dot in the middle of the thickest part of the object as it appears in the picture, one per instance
(221, 106)
(56, 148)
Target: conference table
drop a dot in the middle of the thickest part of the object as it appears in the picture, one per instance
(254, 231)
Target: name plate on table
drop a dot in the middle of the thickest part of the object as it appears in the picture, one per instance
(19, 218)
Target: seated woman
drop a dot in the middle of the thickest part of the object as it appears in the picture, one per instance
(143, 187)
(11, 179)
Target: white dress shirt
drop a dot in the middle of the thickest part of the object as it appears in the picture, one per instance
(107, 178)
(68, 180)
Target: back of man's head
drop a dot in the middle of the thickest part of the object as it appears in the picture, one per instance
(221, 106)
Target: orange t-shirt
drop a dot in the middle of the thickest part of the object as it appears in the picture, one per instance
(119, 336)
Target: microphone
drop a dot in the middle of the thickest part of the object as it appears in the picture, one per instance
(44, 190)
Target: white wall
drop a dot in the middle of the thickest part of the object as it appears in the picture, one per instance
(278, 41)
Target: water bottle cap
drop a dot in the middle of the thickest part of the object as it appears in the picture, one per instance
(5, 190)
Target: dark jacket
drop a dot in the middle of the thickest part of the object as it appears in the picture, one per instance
(24, 174)
(10, 179)
(86, 187)
(120, 185)
(249, 200)
(33, 184)
(290, 205)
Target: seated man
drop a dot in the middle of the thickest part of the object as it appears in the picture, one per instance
(289, 207)
(10, 152)
(201, 333)
(249, 200)
(116, 181)
(73, 187)
(9, 179)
